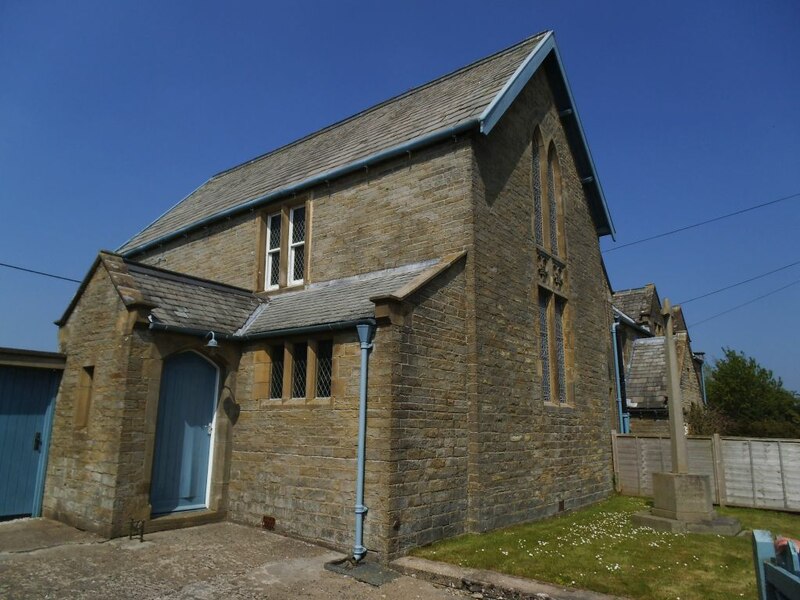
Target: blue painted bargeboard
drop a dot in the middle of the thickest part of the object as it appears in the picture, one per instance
(183, 439)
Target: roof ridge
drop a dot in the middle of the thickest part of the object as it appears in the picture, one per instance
(383, 103)
(633, 289)
(176, 276)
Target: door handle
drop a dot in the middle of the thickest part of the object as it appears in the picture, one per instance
(37, 441)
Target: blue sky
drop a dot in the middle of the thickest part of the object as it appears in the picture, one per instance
(111, 112)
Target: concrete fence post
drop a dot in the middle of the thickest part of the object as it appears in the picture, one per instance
(719, 469)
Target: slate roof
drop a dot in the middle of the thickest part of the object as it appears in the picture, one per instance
(468, 97)
(646, 380)
(332, 301)
(447, 101)
(190, 302)
(178, 300)
(635, 301)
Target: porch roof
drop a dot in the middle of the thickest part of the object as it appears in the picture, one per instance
(187, 304)
(336, 301)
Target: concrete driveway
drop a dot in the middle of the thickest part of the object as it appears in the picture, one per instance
(45, 559)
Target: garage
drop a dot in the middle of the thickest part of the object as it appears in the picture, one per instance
(28, 388)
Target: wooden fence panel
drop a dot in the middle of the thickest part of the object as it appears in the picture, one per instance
(701, 461)
(760, 473)
(651, 460)
(790, 467)
(738, 471)
(628, 466)
(767, 480)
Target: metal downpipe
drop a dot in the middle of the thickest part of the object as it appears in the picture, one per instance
(703, 381)
(617, 378)
(365, 333)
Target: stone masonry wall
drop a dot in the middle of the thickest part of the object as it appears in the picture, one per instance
(428, 482)
(225, 252)
(528, 459)
(406, 210)
(99, 473)
(294, 459)
(645, 425)
(80, 487)
(139, 418)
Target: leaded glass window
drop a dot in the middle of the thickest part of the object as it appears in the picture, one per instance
(324, 368)
(276, 373)
(561, 372)
(299, 364)
(297, 254)
(552, 205)
(538, 217)
(273, 275)
(553, 347)
(544, 343)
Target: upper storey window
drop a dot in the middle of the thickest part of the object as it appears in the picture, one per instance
(554, 206)
(536, 177)
(285, 252)
(548, 218)
(273, 274)
(297, 245)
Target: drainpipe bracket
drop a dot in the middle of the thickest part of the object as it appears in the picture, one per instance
(361, 509)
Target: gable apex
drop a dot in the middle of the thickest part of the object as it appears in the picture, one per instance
(471, 99)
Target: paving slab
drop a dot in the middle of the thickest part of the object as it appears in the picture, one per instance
(46, 560)
(26, 535)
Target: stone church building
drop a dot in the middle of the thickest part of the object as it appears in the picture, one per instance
(213, 360)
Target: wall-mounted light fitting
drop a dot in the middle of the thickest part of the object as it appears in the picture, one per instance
(212, 343)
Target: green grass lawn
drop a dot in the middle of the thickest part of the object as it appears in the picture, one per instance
(599, 549)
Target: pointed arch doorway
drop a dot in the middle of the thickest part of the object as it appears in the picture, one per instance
(184, 434)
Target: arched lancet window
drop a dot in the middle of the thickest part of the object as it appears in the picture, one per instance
(554, 212)
(536, 183)
(553, 310)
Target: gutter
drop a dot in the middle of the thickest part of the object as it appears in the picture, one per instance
(363, 163)
(158, 326)
(307, 329)
(592, 180)
(622, 317)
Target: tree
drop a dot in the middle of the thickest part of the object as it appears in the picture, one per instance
(750, 399)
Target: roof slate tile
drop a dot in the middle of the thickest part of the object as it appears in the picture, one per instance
(444, 102)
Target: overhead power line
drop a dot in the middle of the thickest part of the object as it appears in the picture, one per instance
(17, 268)
(725, 312)
(706, 222)
(733, 285)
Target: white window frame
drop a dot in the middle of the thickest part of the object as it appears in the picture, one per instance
(270, 252)
(293, 246)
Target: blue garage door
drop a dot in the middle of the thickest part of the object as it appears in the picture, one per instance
(183, 434)
(27, 398)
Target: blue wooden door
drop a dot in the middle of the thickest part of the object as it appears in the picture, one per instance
(27, 398)
(186, 404)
